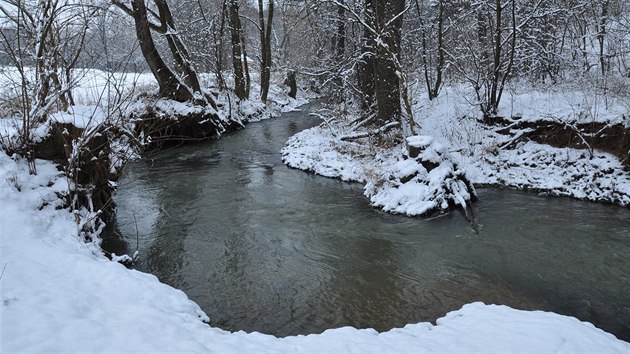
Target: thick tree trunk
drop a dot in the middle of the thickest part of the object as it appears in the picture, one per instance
(389, 21)
(239, 60)
(169, 84)
(367, 65)
(292, 83)
(218, 45)
(178, 49)
(265, 47)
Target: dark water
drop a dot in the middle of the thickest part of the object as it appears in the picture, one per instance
(261, 247)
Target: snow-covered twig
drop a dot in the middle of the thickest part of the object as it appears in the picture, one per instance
(517, 137)
(326, 121)
(372, 132)
(577, 131)
(3, 269)
(359, 122)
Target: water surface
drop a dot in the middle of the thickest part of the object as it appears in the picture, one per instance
(261, 247)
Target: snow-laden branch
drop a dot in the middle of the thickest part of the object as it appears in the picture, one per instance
(387, 127)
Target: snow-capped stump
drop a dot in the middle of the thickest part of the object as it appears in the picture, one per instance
(426, 184)
(417, 143)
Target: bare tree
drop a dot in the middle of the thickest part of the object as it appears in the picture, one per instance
(488, 64)
(43, 40)
(265, 46)
(432, 77)
(381, 72)
(239, 53)
(182, 87)
(367, 61)
(603, 7)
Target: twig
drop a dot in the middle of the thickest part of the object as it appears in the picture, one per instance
(577, 131)
(3, 268)
(137, 235)
(369, 133)
(326, 121)
(517, 137)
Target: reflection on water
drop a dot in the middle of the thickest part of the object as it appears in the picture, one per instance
(261, 247)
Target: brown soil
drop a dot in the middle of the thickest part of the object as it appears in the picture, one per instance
(614, 139)
(91, 172)
(168, 131)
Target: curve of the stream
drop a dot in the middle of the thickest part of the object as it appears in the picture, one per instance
(262, 247)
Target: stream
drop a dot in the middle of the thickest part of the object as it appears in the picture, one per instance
(262, 247)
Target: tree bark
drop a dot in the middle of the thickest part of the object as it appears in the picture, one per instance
(601, 36)
(389, 22)
(367, 64)
(292, 83)
(179, 52)
(265, 47)
(169, 84)
(239, 60)
(340, 35)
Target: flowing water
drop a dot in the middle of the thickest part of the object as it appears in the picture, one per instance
(261, 247)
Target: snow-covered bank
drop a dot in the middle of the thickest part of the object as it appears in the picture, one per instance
(394, 181)
(487, 156)
(490, 158)
(61, 295)
(93, 139)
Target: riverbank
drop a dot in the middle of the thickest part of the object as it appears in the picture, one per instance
(60, 294)
(287, 252)
(490, 154)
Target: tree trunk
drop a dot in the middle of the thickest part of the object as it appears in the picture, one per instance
(340, 35)
(601, 36)
(433, 88)
(178, 49)
(497, 56)
(239, 60)
(389, 21)
(367, 64)
(440, 48)
(169, 84)
(265, 48)
(292, 83)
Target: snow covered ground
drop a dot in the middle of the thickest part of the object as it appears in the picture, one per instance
(59, 294)
(479, 150)
(527, 165)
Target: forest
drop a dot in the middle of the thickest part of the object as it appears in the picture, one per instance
(213, 175)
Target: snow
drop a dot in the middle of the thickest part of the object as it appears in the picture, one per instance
(477, 148)
(568, 104)
(412, 189)
(81, 116)
(394, 182)
(316, 150)
(419, 141)
(60, 294)
(451, 123)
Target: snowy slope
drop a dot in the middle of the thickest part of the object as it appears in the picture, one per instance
(526, 165)
(60, 295)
